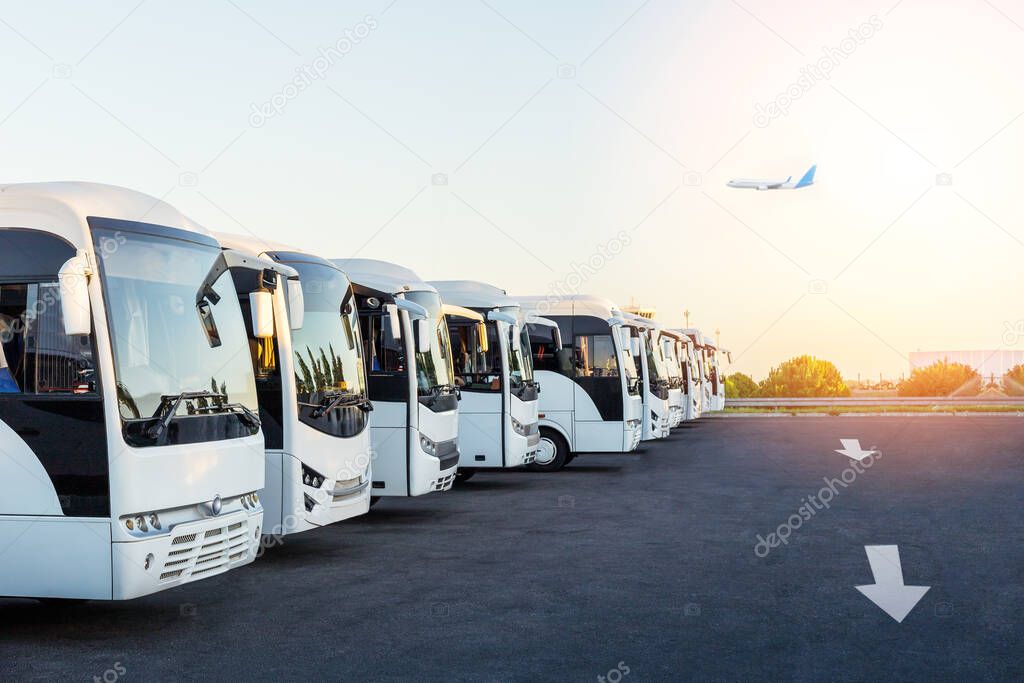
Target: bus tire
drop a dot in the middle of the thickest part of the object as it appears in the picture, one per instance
(553, 454)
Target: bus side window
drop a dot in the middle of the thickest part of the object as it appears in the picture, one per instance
(542, 345)
(384, 353)
(37, 356)
(595, 356)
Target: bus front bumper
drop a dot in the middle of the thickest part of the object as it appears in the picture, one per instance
(187, 552)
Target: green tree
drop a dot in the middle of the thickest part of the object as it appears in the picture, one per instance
(941, 378)
(803, 376)
(1013, 381)
(319, 374)
(306, 384)
(738, 385)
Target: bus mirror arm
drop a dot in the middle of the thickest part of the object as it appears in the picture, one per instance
(74, 295)
(394, 323)
(296, 304)
(422, 336)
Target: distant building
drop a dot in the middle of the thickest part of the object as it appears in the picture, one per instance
(649, 313)
(987, 363)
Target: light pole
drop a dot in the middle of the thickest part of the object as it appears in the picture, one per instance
(686, 314)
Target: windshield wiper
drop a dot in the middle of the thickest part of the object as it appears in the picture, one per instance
(439, 390)
(216, 404)
(168, 408)
(245, 413)
(336, 399)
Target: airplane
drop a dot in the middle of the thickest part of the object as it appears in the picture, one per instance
(786, 184)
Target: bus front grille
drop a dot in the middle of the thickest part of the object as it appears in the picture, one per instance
(203, 553)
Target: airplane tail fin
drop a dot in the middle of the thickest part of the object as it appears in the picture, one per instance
(808, 178)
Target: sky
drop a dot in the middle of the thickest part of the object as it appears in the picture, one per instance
(547, 147)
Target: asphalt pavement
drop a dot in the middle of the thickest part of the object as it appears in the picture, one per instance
(621, 567)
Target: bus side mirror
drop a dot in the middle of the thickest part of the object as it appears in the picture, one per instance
(394, 323)
(422, 336)
(262, 305)
(74, 296)
(481, 333)
(296, 305)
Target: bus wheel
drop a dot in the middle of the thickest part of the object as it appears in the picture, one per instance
(464, 475)
(553, 454)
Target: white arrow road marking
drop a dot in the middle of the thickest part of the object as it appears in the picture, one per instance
(851, 449)
(888, 591)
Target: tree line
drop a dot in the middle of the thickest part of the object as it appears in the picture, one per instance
(809, 377)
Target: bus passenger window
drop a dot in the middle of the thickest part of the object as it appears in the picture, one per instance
(385, 354)
(595, 356)
(36, 356)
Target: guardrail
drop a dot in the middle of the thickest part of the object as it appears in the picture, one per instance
(869, 401)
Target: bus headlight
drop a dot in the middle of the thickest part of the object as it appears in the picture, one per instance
(518, 426)
(311, 477)
(428, 446)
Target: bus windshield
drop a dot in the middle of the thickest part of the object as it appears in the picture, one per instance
(328, 348)
(433, 368)
(654, 357)
(166, 363)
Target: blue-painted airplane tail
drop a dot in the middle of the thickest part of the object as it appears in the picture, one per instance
(808, 178)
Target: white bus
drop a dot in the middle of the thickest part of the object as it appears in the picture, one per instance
(718, 376)
(696, 381)
(691, 376)
(311, 386)
(703, 354)
(414, 425)
(727, 354)
(673, 347)
(131, 455)
(493, 367)
(716, 381)
(657, 391)
(591, 399)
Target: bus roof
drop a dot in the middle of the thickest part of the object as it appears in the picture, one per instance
(250, 243)
(696, 336)
(675, 334)
(382, 275)
(473, 294)
(63, 208)
(274, 251)
(575, 304)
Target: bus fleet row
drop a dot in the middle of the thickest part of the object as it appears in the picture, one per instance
(169, 396)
